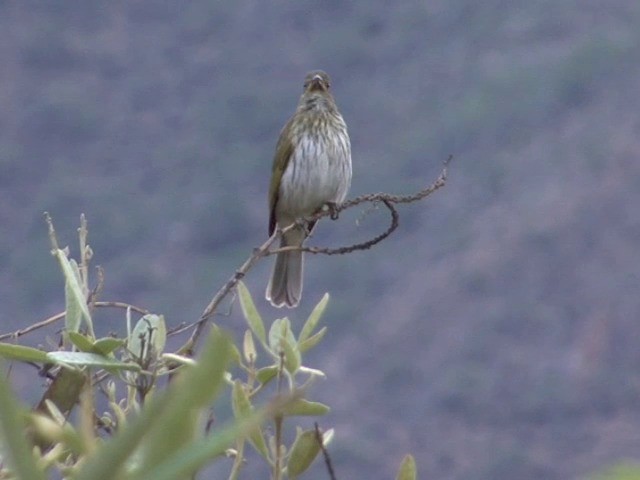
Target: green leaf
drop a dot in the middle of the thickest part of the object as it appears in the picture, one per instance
(110, 458)
(302, 407)
(250, 312)
(174, 359)
(240, 401)
(23, 354)
(160, 338)
(107, 345)
(281, 340)
(202, 382)
(148, 338)
(161, 425)
(73, 313)
(48, 432)
(103, 346)
(275, 334)
(75, 300)
(313, 340)
(64, 391)
(17, 451)
(292, 357)
(191, 393)
(266, 374)
(89, 360)
(249, 348)
(314, 318)
(407, 470)
(187, 459)
(242, 409)
(236, 358)
(304, 451)
(83, 343)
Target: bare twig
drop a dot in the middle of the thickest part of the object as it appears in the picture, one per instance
(325, 454)
(387, 199)
(97, 290)
(395, 221)
(224, 291)
(60, 316)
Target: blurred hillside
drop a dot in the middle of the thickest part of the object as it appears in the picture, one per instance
(494, 336)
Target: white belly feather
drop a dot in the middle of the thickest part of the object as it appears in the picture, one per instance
(317, 173)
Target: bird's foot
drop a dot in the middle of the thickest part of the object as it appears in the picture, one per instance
(332, 208)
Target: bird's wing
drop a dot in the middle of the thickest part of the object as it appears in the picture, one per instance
(284, 149)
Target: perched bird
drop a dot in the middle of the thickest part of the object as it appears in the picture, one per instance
(311, 168)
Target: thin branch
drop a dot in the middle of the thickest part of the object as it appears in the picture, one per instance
(60, 316)
(224, 291)
(387, 199)
(325, 454)
(395, 221)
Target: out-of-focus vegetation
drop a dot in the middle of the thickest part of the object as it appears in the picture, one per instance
(124, 407)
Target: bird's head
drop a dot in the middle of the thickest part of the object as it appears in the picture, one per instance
(317, 81)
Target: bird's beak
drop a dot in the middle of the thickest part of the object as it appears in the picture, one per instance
(316, 83)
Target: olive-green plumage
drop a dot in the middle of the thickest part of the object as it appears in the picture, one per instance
(311, 167)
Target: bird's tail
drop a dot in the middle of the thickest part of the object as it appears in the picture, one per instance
(285, 286)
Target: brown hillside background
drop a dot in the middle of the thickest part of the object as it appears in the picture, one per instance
(495, 335)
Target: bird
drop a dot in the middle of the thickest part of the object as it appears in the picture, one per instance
(311, 169)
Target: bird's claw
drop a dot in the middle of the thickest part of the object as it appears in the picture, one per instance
(332, 207)
(334, 211)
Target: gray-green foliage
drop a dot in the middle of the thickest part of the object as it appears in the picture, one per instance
(156, 430)
(623, 471)
(279, 361)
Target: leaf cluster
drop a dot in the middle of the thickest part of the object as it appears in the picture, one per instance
(157, 421)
